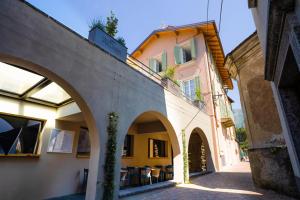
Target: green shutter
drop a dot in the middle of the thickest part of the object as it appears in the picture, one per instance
(164, 61)
(198, 89)
(177, 55)
(193, 48)
(152, 65)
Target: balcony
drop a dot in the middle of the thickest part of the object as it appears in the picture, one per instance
(168, 84)
(226, 114)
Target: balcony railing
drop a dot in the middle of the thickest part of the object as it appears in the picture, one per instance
(165, 82)
(226, 114)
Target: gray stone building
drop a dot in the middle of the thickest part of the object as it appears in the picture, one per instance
(278, 28)
(269, 159)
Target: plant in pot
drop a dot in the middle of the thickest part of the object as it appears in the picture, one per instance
(169, 74)
(103, 33)
(198, 97)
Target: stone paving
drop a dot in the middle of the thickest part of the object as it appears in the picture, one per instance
(234, 183)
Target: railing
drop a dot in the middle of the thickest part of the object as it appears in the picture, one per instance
(165, 82)
(226, 113)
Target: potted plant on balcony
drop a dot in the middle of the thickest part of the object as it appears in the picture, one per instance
(198, 98)
(169, 82)
(104, 33)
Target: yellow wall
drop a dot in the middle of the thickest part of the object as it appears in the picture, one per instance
(140, 150)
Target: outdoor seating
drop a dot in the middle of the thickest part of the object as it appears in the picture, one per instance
(133, 176)
(145, 175)
(85, 179)
(169, 172)
(161, 173)
(123, 177)
(155, 172)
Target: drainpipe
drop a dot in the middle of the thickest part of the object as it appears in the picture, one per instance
(215, 136)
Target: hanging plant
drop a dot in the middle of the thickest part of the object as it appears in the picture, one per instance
(186, 177)
(109, 166)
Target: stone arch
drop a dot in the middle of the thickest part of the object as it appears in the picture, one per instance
(196, 141)
(83, 106)
(167, 124)
(149, 116)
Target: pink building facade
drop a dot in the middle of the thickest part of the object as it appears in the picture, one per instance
(198, 73)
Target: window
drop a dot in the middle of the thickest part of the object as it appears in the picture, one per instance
(186, 52)
(16, 80)
(158, 63)
(157, 148)
(52, 93)
(128, 146)
(191, 89)
(18, 135)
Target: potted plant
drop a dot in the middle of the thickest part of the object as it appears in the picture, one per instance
(169, 82)
(103, 34)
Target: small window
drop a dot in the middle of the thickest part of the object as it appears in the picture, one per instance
(185, 52)
(189, 89)
(128, 146)
(158, 63)
(19, 135)
(157, 148)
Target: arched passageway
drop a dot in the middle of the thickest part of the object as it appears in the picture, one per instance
(148, 151)
(196, 154)
(200, 159)
(47, 131)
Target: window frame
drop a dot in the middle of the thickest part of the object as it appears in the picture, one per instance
(166, 153)
(36, 152)
(190, 95)
(131, 152)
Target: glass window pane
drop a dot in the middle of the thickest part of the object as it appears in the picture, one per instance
(16, 80)
(18, 135)
(192, 88)
(52, 93)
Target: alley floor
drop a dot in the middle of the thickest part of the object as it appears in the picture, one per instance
(234, 183)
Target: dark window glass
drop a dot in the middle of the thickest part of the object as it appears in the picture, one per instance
(128, 146)
(157, 148)
(18, 135)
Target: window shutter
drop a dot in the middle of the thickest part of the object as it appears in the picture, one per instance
(193, 48)
(177, 55)
(182, 56)
(164, 61)
(181, 87)
(198, 89)
(152, 65)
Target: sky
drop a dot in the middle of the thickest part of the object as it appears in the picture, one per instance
(138, 18)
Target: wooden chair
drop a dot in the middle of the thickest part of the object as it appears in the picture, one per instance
(145, 175)
(162, 172)
(156, 174)
(133, 176)
(169, 172)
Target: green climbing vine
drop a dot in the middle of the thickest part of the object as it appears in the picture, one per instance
(185, 159)
(109, 166)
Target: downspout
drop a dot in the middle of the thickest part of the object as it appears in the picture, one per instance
(215, 136)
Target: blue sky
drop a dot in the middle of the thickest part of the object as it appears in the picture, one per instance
(138, 18)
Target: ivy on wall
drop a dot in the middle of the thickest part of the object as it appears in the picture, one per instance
(108, 193)
(186, 177)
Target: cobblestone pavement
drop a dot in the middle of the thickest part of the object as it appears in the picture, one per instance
(234, 183)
